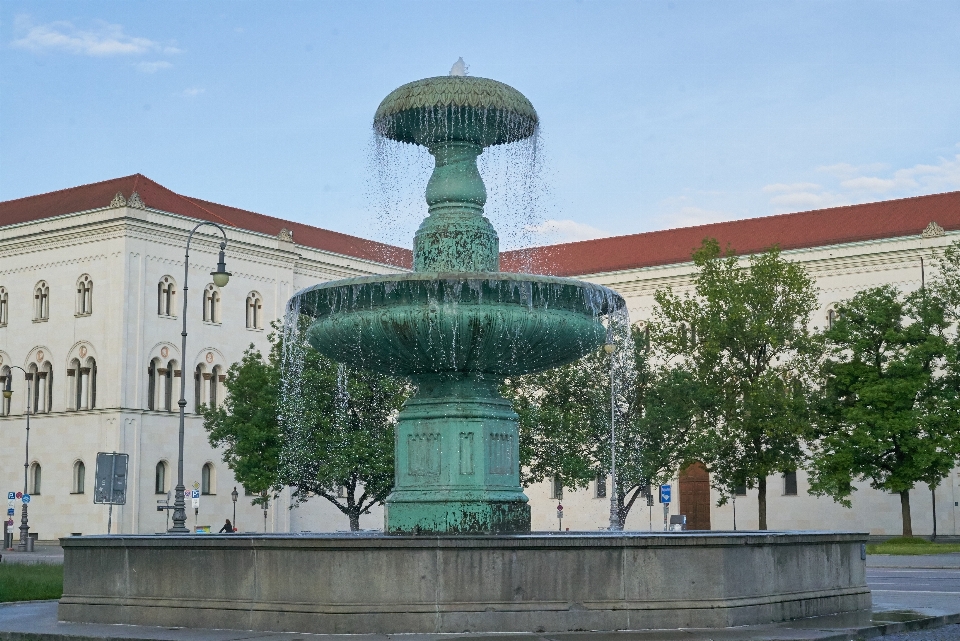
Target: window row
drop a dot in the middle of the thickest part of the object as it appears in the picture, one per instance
(81, 387)
(167, 303)
(163, 480)
(41, 300)
(163, 385)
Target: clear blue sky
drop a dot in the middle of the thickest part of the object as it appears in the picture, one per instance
(654, 114)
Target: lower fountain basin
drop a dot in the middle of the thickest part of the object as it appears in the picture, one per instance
(343, 584)
(486, 323)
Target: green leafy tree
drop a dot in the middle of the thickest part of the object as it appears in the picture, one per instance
(889, 412)
(345, 430)
(742, 336)
(565, 418)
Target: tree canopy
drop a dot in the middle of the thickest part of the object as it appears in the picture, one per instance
(742, 336)
(888, 412)
(342, 446)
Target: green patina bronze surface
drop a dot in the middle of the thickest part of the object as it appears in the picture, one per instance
(456, 326)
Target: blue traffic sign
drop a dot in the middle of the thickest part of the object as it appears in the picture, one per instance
(664, 493)
(10, 511)
(11, 495)
(26, 498)
(194, 494)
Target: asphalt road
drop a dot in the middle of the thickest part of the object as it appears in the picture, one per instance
(928, 591)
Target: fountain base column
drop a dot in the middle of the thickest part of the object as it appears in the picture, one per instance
(457, 461)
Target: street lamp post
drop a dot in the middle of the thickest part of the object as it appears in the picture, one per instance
(610, 349)
(266, 504)
(24, 523)
(234, 496)
(220, 278)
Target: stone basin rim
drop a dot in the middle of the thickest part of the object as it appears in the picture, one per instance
(451, 277)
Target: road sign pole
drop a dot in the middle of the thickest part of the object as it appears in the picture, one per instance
(109, 518)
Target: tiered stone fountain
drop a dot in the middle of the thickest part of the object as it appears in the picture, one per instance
(458, 555)
(457, 325)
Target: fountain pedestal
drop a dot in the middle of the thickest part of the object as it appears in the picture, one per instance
(457, 456)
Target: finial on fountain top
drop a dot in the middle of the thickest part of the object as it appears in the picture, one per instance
(459, 68)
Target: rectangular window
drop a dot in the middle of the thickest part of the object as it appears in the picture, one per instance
(790, 483)
(600, 487)
(740, 490)
(556, 488)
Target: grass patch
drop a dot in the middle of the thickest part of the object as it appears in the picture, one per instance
(30, 581)
(902, 545)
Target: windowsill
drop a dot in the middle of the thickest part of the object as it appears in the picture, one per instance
(40, 320)
(77, 493)
(166, 316)
(214, 323)
(79, 314)
(254, 329)
(2, 325)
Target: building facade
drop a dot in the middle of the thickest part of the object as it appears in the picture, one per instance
(91, 296)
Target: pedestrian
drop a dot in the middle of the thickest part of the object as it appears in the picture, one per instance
(227, 527)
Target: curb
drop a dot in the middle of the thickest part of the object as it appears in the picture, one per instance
(849, 634)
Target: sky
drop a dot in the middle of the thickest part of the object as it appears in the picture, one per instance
(653, 115)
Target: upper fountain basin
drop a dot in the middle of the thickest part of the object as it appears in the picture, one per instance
(498, 324)
(445, 108)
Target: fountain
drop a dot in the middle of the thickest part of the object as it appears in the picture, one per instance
(458, 554)
(456, 325)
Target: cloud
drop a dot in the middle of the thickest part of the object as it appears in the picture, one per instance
(865, 183)
(103, 40)
(152, 67)
(192, 91)
(564, 231)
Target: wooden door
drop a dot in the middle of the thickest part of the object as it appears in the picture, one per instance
(695, 496)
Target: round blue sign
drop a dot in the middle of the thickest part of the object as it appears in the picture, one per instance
(26, 498)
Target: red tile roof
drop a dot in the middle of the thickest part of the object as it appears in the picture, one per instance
(822, 227)
(156, 196)
(818, 228)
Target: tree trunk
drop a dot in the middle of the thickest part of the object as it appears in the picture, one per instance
(762, 501)
(905, 513)
(354, 521)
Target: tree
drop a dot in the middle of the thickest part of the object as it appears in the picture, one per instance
(343, 434)
(565, 421)
(743, 336)
(889, 409)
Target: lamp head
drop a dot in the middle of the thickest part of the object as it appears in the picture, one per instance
(609, 348)
(221, 277)
(7, 393)
(234, 495)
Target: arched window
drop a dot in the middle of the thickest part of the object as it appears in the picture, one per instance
(32, 391)
(211, 304)
(5, 374)
(254, 311)
(169, 385)
(73, 384)
(41, 301)
(207, 479)
(43, 390)
(200, 377)
(152, 381)
(166, 297)
(4, 307)
(79, 477)
(214, 399)
(160, 483)
(84, 295)
(85, 388)
(35, 478)
(831, 318)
